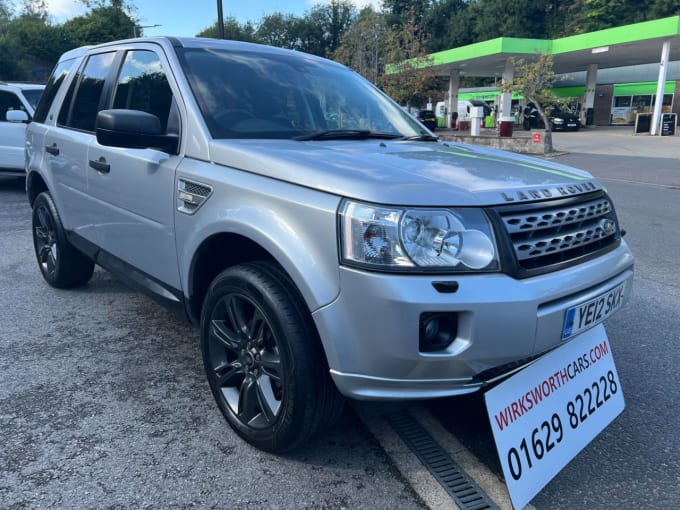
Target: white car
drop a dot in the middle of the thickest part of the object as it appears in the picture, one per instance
(18, 102)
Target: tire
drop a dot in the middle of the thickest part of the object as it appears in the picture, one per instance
(60, 263)
(527, 125)
(264, 360)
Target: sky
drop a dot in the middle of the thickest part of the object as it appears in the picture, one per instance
(188, 17)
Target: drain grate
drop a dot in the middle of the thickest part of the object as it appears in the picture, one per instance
(456, 482)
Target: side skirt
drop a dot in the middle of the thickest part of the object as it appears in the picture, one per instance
(170, 297)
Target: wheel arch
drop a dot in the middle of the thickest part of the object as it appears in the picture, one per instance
(226, 249)
(215, 254)
(35, 185)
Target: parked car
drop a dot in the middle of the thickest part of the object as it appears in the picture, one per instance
(357, 257)
(17, 105)
(560, 118)
(427, 119)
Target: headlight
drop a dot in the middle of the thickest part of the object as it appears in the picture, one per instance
(388, 238)
(558, 121)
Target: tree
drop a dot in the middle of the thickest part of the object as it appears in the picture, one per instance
(100, 25)
(336, 18)
(400, 12)
(601, 14)
(448, 22)
(232, 30)
(409, 76)
(278, 30)
(519, 18)
(534, 80)
(361, 45)
(664, 8)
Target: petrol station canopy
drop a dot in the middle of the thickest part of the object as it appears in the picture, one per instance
(640, 43)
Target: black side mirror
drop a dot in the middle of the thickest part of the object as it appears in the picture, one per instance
(133, 129)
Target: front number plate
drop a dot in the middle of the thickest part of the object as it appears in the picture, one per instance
(545, 414)
(586, 315)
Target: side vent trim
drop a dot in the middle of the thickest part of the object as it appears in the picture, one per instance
(191, 195)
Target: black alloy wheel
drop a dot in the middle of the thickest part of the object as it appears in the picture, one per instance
(61, 264)
(46, 242)
(264, 360)
(245, 360)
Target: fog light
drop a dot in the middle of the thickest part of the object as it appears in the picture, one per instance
(437, 331)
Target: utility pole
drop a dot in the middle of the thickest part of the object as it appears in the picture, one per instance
(220, 19)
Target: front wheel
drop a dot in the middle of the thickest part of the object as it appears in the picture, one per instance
(527, 125)
(61, 264)
(263, 358)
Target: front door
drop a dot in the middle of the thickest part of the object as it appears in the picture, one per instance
(134, 188)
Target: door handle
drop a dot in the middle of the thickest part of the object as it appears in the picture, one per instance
(52, 149)
(100, 165)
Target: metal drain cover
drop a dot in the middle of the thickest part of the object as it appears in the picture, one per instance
(456, 482)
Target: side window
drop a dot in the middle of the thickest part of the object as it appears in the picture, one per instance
(53, 85)
(89, 92)
(9, 101)
(143, 85)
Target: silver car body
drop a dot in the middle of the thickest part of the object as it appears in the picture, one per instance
(285, 196)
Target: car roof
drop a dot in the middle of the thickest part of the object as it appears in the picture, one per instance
(200, 42)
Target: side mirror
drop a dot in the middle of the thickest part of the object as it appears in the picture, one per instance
(133, 129)
(17, 116)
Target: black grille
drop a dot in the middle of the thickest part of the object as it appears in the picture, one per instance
(194, 188)
(547, 236)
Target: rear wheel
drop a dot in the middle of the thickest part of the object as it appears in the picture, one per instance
(263, 359)
(527, 125)
(61, 264)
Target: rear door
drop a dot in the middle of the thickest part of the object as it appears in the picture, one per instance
(66, 144)
(134, 188)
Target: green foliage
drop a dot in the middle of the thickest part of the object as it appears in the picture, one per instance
(318, 32)
(100, 25)
(448, 24)
(400, 12)
(601, 14)
(232, 30)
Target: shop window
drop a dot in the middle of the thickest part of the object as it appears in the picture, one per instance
(622, 101)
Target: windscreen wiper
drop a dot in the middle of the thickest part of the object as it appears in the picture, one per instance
(346, 134)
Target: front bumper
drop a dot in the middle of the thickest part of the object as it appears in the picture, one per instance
(370, 332)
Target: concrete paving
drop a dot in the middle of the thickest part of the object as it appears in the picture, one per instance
(617, 141)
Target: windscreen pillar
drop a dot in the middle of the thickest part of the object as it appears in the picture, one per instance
(591, 84)
(452, 101)
(658, 104)
(506, 96)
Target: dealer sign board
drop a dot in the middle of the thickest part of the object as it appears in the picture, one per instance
(547, 413)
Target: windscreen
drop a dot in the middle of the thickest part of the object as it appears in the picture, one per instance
(251, 94)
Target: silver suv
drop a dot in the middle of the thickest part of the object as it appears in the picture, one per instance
(17, 104)
(324, 241)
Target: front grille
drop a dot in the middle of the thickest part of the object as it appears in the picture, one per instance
(546, 236)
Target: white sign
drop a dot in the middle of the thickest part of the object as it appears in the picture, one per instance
(547, 413)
